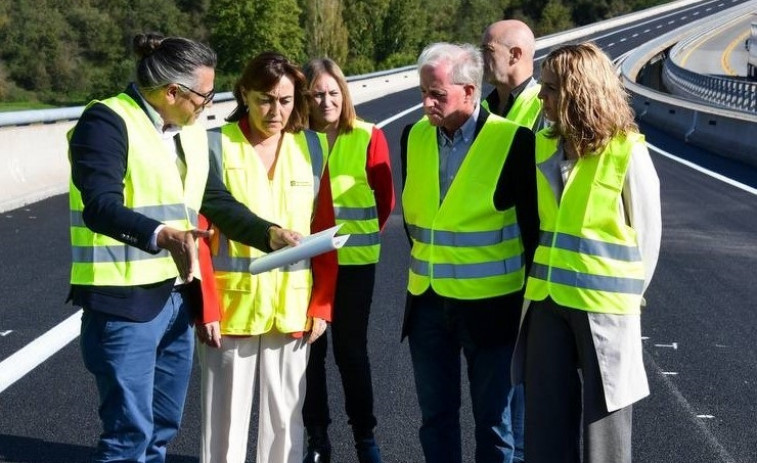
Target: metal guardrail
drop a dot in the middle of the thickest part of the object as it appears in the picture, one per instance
(728, 132)
(47, 116)
(727, 92)
(730, 93)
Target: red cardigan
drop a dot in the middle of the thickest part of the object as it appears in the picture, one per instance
(379, 170)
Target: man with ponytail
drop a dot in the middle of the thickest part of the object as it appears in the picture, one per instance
(139, 178)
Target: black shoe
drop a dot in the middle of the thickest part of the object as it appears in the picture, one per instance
(368, 451)
(319, 446)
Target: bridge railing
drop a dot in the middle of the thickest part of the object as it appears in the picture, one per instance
(728, 92)
(726, 131)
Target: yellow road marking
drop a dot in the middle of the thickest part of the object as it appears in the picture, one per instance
(726, 56)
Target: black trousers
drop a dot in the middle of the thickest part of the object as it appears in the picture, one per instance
(349, 336)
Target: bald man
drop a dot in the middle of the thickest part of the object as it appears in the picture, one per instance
(508, 47)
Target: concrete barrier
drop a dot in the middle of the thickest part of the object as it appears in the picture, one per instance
(33, 151)
(728, 133)
(34, 158)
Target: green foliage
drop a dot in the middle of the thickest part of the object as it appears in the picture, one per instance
(240, 29)
(69, 51)
(474, 15)
(325, 31)
(554, 17)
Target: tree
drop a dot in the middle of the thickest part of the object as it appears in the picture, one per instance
(555, 17)
(403, 33)
(325, 30)
(365, 19)
(473, 16)
(241, 29)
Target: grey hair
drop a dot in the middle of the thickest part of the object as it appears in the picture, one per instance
(466, 60)
(162, 61)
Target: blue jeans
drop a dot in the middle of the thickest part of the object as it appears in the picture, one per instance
(437, 334)
(142, 373)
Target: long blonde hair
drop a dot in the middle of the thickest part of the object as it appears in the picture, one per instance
(592, 104)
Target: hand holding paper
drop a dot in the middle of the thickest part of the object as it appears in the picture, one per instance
(308, 247)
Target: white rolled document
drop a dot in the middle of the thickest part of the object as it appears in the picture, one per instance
(308, 247)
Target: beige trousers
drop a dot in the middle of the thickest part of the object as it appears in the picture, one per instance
(227, 385)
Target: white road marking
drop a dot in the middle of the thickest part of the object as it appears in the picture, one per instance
(673, 345)
(701, 169)
(397, 116)
(722, 454)
(670, 373)
(5, 333)
(25, 360)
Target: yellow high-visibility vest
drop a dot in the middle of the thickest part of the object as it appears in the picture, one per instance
(277, 299)
(526, 109)
(152, 187)
(463, 248)
(588, 257)
(354, 201)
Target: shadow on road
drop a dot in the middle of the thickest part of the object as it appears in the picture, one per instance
(16, 449)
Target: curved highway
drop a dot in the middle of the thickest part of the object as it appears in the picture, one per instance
(723, 53)
(698, 326)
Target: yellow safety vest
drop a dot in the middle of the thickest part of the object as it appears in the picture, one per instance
(278, 299)
(152, 187)
(354, 201)
(464, 248)
(587, 258)
(526, 109)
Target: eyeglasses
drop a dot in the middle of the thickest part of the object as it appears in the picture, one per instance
(206, 97)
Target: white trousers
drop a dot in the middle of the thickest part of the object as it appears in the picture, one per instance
(228, 382)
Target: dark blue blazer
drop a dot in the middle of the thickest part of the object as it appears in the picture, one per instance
(98, 150)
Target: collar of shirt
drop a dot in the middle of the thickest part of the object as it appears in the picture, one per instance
(467, 131)
(520, 88)
(493, 98)
(170, 131)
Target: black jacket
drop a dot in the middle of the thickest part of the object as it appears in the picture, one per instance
(98, 150)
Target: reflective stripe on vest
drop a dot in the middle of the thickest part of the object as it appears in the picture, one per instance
(224, 262)
(463, 248)
(164, 213)
(278, 299)
(154, 188)
(587, 257)
(354, 201)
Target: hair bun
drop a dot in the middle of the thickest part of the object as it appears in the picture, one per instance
(146, 44)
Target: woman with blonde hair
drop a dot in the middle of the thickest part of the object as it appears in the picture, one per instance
(599, 206)
(256, 331)
(363, 195)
